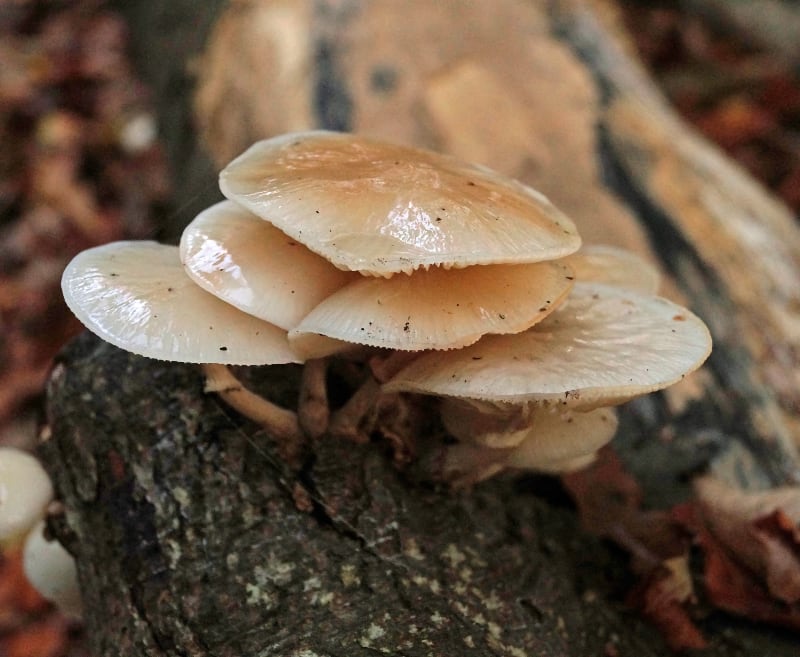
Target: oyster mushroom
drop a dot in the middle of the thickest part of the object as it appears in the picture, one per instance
(516, 400)
(446, 278)
(555, 440)
(382, 209)
(137, 296)
(52, 571)
(25, 492)
(603, 346)
(255, 267)
(434, 309)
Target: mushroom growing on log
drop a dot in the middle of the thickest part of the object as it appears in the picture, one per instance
(455, 261)
(177, 508)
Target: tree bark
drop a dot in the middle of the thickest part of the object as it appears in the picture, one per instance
(191, 535)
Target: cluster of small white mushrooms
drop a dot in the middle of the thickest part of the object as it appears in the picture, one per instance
(25, 493)
(447, 278)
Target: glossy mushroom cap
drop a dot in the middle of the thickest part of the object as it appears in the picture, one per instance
(434, 309)
(381, 209)
(52, 571)
(603, 346)
(25, 491)
(253, 266)
(137, 296)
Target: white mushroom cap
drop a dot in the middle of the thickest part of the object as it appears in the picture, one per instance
(25, 491)
(490, 424)
(436, 309)
(137, 296)
(561, 439)
(250, 264)
(557, 440)
(52, 572)
(602, 346)
(380, 208)
(601, 263)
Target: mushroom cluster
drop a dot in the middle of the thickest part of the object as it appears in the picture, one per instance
(447, 278)
(25, 493)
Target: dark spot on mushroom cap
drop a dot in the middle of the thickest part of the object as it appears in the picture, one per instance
(383, 79)
(679, 318)
(223, 349)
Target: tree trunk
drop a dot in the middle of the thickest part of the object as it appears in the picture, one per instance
(191, 534)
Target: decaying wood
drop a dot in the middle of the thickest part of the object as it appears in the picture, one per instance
(192, 536)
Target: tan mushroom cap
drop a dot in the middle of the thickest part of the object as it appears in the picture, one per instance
(137, 296)
(603, 346)
(436, 309)
(559, 440)
(601, 263)
(252, 265)
(381, 209)
(490, 424)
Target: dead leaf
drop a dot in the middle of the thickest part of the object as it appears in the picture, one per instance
(609, 504)
(662, 597)
(758, 529)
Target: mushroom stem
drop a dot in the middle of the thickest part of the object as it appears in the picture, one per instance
(346, 422)
(280, 423)
(313, 410)
(385, 367)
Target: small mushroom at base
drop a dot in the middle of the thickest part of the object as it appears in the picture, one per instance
(25, 491)
(556, 441)
(52, 571)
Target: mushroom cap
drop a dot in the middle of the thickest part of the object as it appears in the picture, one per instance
(52, 571)
(25, 491)
(381, 209)
(557, 440)
(137, 296)
(603, 346)
(490, 424)
(601, 263)
(435, 309)
(255, 267)
(557, 437)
